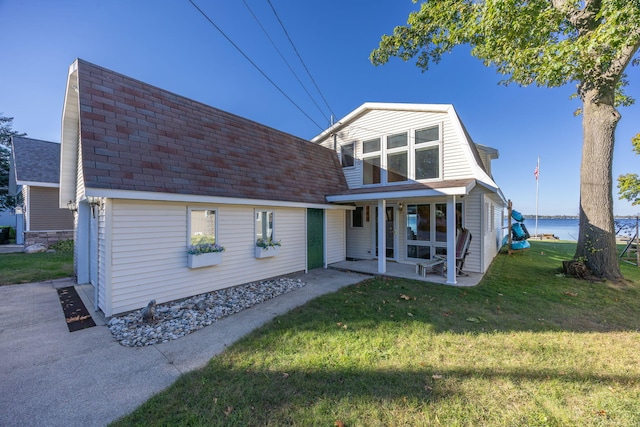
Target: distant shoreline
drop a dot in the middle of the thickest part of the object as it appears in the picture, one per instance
(574, 216)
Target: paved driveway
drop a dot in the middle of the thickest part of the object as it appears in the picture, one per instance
(51, 377)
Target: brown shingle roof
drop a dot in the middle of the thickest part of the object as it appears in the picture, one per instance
(139, 137)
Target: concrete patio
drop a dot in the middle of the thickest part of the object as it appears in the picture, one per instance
(405, 271)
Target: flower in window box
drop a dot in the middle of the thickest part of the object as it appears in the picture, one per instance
(266, 248)
(204, 254)
(204, 248)
(267, 243)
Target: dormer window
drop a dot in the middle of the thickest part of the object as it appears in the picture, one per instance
(397, 157)
(427, 153)
(371, 161)
(346, 154)
(415, 155)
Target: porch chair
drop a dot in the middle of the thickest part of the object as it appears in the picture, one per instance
(462, 250)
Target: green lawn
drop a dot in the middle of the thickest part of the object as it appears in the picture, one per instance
(526, 347)
(16, 268)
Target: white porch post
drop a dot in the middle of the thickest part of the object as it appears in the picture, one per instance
(451, 240)
(382, 236)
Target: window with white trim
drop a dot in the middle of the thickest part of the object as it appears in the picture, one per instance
(427, 153)
(371, 153)
(397, 157)
(412, 155)
(347, 152)
(202, 226)
(264, 225)
(427, 229)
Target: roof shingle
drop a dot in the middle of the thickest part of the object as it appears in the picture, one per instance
(36, 160)
(139, 137)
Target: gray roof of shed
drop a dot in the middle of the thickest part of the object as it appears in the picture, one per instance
(35, 160)
(139, 137)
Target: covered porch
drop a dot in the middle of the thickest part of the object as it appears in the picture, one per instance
(404, 271)
(400, 237)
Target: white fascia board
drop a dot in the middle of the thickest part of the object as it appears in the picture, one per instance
(390, 106)
(69, 138)
(407, 194)
(489, 185)
(493, 187)
(39, 184)
(190, 198)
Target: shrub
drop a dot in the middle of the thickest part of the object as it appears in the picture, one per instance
(63, 245)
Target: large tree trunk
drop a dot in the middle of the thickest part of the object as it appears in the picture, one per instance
(596, 239)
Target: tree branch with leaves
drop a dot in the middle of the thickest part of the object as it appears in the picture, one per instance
(629, 184)
(7, 201)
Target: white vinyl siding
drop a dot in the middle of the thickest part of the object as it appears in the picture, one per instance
(359, 239)
(79, 174)
(492, 238)
(103, 257)
(335, 236)
(456, 155)
(149, 258)
(79, 193)
(473, 214)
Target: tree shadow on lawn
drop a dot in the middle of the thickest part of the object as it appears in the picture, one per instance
(522, 292)
(224, 393)
(561, 304)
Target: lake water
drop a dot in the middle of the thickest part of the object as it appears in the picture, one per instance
(567, 229)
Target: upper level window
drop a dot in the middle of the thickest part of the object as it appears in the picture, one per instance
(401, 157)
(397, 141)
(347, 152)
(427, 153)
(428, 135)
(371, 146)
(371, 161)
(202, 226)
(397, 157)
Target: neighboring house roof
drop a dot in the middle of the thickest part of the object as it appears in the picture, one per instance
(137, 137)
(35, 162)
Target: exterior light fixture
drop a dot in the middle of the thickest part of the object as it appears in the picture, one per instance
(93, 202)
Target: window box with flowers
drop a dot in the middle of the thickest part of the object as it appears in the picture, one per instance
(204, 255)
(266, 248)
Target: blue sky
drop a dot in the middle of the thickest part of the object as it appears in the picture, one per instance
(170, 44)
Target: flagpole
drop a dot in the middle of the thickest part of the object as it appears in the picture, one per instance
(537, 185)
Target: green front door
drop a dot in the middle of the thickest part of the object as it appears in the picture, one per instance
(315, 238)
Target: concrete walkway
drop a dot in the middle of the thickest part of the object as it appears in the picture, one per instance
(51, 377)
(9, 249)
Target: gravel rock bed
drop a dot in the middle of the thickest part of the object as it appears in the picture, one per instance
(179, 318)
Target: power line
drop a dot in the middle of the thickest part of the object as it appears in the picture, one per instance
(285, 60)
(300, 58)
(253, 63)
